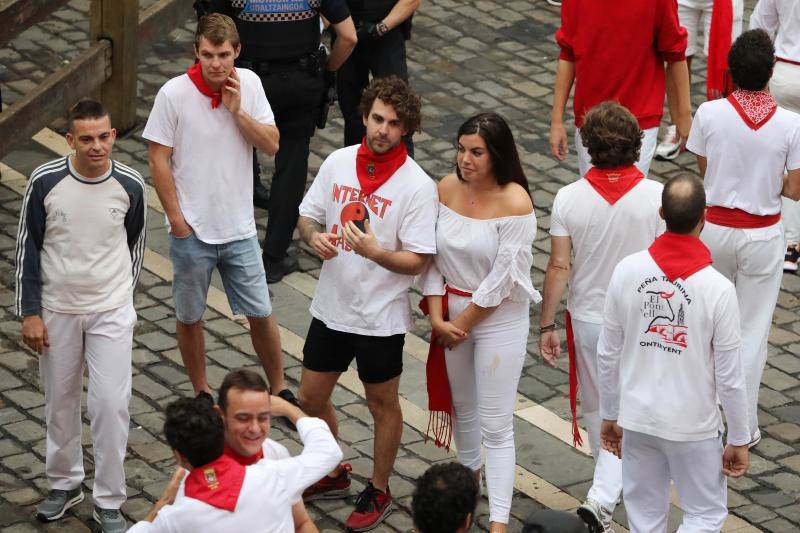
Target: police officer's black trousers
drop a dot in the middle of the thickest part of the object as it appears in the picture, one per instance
(295, 97)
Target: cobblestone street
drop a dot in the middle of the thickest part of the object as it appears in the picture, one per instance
(465, 56)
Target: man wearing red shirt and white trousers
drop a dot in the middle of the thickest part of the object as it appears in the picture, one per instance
(616, 51)
(781, 20)
(743, 144)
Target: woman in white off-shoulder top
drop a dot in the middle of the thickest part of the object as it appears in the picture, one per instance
(484, 236)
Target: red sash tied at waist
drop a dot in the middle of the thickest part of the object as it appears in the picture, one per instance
(440, 399)
(736, 218)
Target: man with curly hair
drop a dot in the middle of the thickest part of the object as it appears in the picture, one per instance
(445, 498)
(370, 215)
(595, 222)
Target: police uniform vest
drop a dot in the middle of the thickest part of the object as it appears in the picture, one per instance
(277, 30)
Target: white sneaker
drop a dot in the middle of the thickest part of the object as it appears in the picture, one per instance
(755, 439)
(554, 2)
(790, 258)
(597, 517)
(670, 145)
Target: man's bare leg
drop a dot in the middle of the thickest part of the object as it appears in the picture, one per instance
(267, 344)
(315, 400)
(383, 401)
(192, 345)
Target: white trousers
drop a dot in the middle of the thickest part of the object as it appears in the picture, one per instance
(483, 372)
(103, 342)
(607, 483)
(649, 142)
(693, 13)
(648, 464)
(753, 260)
(785, 88)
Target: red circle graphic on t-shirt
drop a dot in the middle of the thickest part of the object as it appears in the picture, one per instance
(355, 211)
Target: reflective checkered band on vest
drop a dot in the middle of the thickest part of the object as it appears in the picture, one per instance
(287, 16)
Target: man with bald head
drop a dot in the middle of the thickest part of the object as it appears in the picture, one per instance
(668, 349)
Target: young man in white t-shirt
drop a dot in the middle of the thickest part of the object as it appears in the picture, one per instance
(219, 494)
(596, 221)
(202, 130)
(371, 216)
(669, 348)
(744, 144)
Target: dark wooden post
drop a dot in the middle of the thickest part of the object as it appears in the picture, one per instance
(118, 21)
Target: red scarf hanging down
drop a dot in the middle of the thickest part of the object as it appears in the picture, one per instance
(613, 183)
(218, 483)
(440, 399)
(573, 383)
(195, 74)
(755, 107)
(243, 459)
(719, 44)
(373, 170)
(679, 256)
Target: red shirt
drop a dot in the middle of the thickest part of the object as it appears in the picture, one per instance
(619, 48)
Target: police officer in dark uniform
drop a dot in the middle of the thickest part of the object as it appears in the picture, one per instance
(383, 27)
(281, 43)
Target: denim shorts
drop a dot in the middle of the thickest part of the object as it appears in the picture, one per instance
(240, 267)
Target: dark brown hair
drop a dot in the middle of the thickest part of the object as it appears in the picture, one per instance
(395, 92)
(240, 379)
(611, 135)
(86, 109)
(494, 131)
(217, 28)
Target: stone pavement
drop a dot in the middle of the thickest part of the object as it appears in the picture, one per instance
(465, 57)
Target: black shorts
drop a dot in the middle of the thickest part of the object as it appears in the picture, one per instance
(379, 359)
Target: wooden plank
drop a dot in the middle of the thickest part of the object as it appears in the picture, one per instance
(19, 15)
(160, 19)
(56, 93)
(117, 21)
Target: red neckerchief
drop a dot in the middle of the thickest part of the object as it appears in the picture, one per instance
(218, 483)
(373, 170)
(613, 183)
(243, 459)
(679, 256)
(719, 44)
(195, 74)
(440, 399)
(755, 107)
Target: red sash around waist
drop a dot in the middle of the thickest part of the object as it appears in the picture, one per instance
(736, 218)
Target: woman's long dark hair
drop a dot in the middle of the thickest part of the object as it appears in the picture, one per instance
(494, 131)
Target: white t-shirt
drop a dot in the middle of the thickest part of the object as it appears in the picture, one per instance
(745, 166)
(666, 363)
(602, 234)
(269, 490)
(212, 162)
(781, 19)
(354, 294)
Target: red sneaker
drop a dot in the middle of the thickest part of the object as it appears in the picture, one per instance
(329, 488)
(372, 507)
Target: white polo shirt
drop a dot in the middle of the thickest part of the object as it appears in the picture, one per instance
(212, 162)
(354, 294)
(666, 363)
(745, 166)
(602, 234)
(781, 19)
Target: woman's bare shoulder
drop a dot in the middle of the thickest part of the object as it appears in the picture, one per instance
(516, 201)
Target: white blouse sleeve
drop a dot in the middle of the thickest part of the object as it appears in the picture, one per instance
(431, 280)
(510, 276)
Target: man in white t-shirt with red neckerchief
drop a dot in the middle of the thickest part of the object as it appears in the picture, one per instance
(371, 216)
(743, 145)
(596, 221)
(669, 348)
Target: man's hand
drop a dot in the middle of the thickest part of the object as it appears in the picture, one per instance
(611, 437)
(558, 140)
(550, 347)
(280, 407)
(735, 460)
(180, 228)
(34, 333)
(168, 496)
(324, 244)
(449, 335)
(683, 125)
(363, 243)
(231, 93)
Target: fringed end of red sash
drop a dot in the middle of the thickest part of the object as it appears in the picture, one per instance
(573, 384)
(440, 429)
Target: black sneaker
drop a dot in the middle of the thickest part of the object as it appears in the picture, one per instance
(287, 395)
(207, 397)
(790, 259)
(277, 269)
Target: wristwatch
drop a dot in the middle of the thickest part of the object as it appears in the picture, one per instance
(382, 28)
